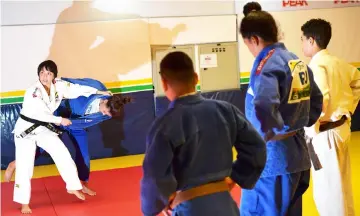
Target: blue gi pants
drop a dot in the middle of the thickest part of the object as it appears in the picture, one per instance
(276, 196)
(217, 204)
(82, 158)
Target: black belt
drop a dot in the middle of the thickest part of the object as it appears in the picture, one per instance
(331, 125)
(323, 127)
(36, 124)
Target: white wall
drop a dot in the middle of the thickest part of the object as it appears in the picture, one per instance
(345, 35)
(84, 45)
(109, 51)
(47, 12)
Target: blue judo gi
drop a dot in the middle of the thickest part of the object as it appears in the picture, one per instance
(282, 97)
(191, 145)
(80, 121)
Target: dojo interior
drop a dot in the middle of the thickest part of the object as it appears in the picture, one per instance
(121, 44)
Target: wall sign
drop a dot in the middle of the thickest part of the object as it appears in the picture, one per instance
(208, 60)
(288, 5)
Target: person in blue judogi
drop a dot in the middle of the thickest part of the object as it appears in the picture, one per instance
(281, 100)
(83, 112)
(189, 155)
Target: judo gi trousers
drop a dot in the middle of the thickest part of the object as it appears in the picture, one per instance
(82, 158)
(276, 195)
(216, 204)
(25, 155)
(332, 186)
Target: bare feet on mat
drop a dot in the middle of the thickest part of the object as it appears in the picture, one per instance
(87, 190)
(78, 194)
(25, 209)
(9, 171)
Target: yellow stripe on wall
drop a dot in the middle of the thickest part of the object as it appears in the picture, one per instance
(244, 74)
(356, 64)
(12, 94)
(118, 84)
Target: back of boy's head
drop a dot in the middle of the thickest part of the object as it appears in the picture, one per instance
(177, 68)
(116, 104)
(319, 30)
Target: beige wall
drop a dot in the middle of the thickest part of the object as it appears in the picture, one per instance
(345, 41)
(119, 50)
(105, 50)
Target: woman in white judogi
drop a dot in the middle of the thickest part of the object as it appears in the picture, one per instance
(40, 101)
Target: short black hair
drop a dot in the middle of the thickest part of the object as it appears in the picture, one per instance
(261, 24)
(177, 67)
(251, 6)
(48, 65)
(319, 30)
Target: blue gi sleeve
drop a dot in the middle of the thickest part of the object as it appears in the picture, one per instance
(267, 101)
(316, 100)
(251, 153)
(158, 181)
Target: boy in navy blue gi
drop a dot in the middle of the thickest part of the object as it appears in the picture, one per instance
(189, 149)
(281, 100)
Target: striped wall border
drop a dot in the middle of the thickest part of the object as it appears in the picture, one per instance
(128, 86)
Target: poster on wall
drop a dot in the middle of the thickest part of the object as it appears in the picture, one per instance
(289, 5)
(208, 60)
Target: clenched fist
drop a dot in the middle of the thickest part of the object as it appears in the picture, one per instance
(65, 122)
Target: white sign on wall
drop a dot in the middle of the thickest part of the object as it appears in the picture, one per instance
(288, 5)
(208, 60)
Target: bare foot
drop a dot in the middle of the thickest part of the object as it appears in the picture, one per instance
(25, 209)
(88, 190)
(9, 171)
(78, 194)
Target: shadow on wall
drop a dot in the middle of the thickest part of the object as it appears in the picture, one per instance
(103, 49)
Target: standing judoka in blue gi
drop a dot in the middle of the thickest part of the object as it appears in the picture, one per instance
(83, 112)
(282, 99)
(189, 149)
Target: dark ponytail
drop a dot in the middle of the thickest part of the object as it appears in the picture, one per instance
(260, 24)
(116, 104)
(251, 6)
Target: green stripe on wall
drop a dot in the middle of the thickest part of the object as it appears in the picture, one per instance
(11, 100)
(132, 89)
(244, 80)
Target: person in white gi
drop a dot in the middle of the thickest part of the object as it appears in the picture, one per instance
(40, 101)
(339, 83)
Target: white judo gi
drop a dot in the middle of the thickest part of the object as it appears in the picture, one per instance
(340, 84)
(40, 106)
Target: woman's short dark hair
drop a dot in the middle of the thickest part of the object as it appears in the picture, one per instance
(116, 104)
(260, 24)
(48, 65)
